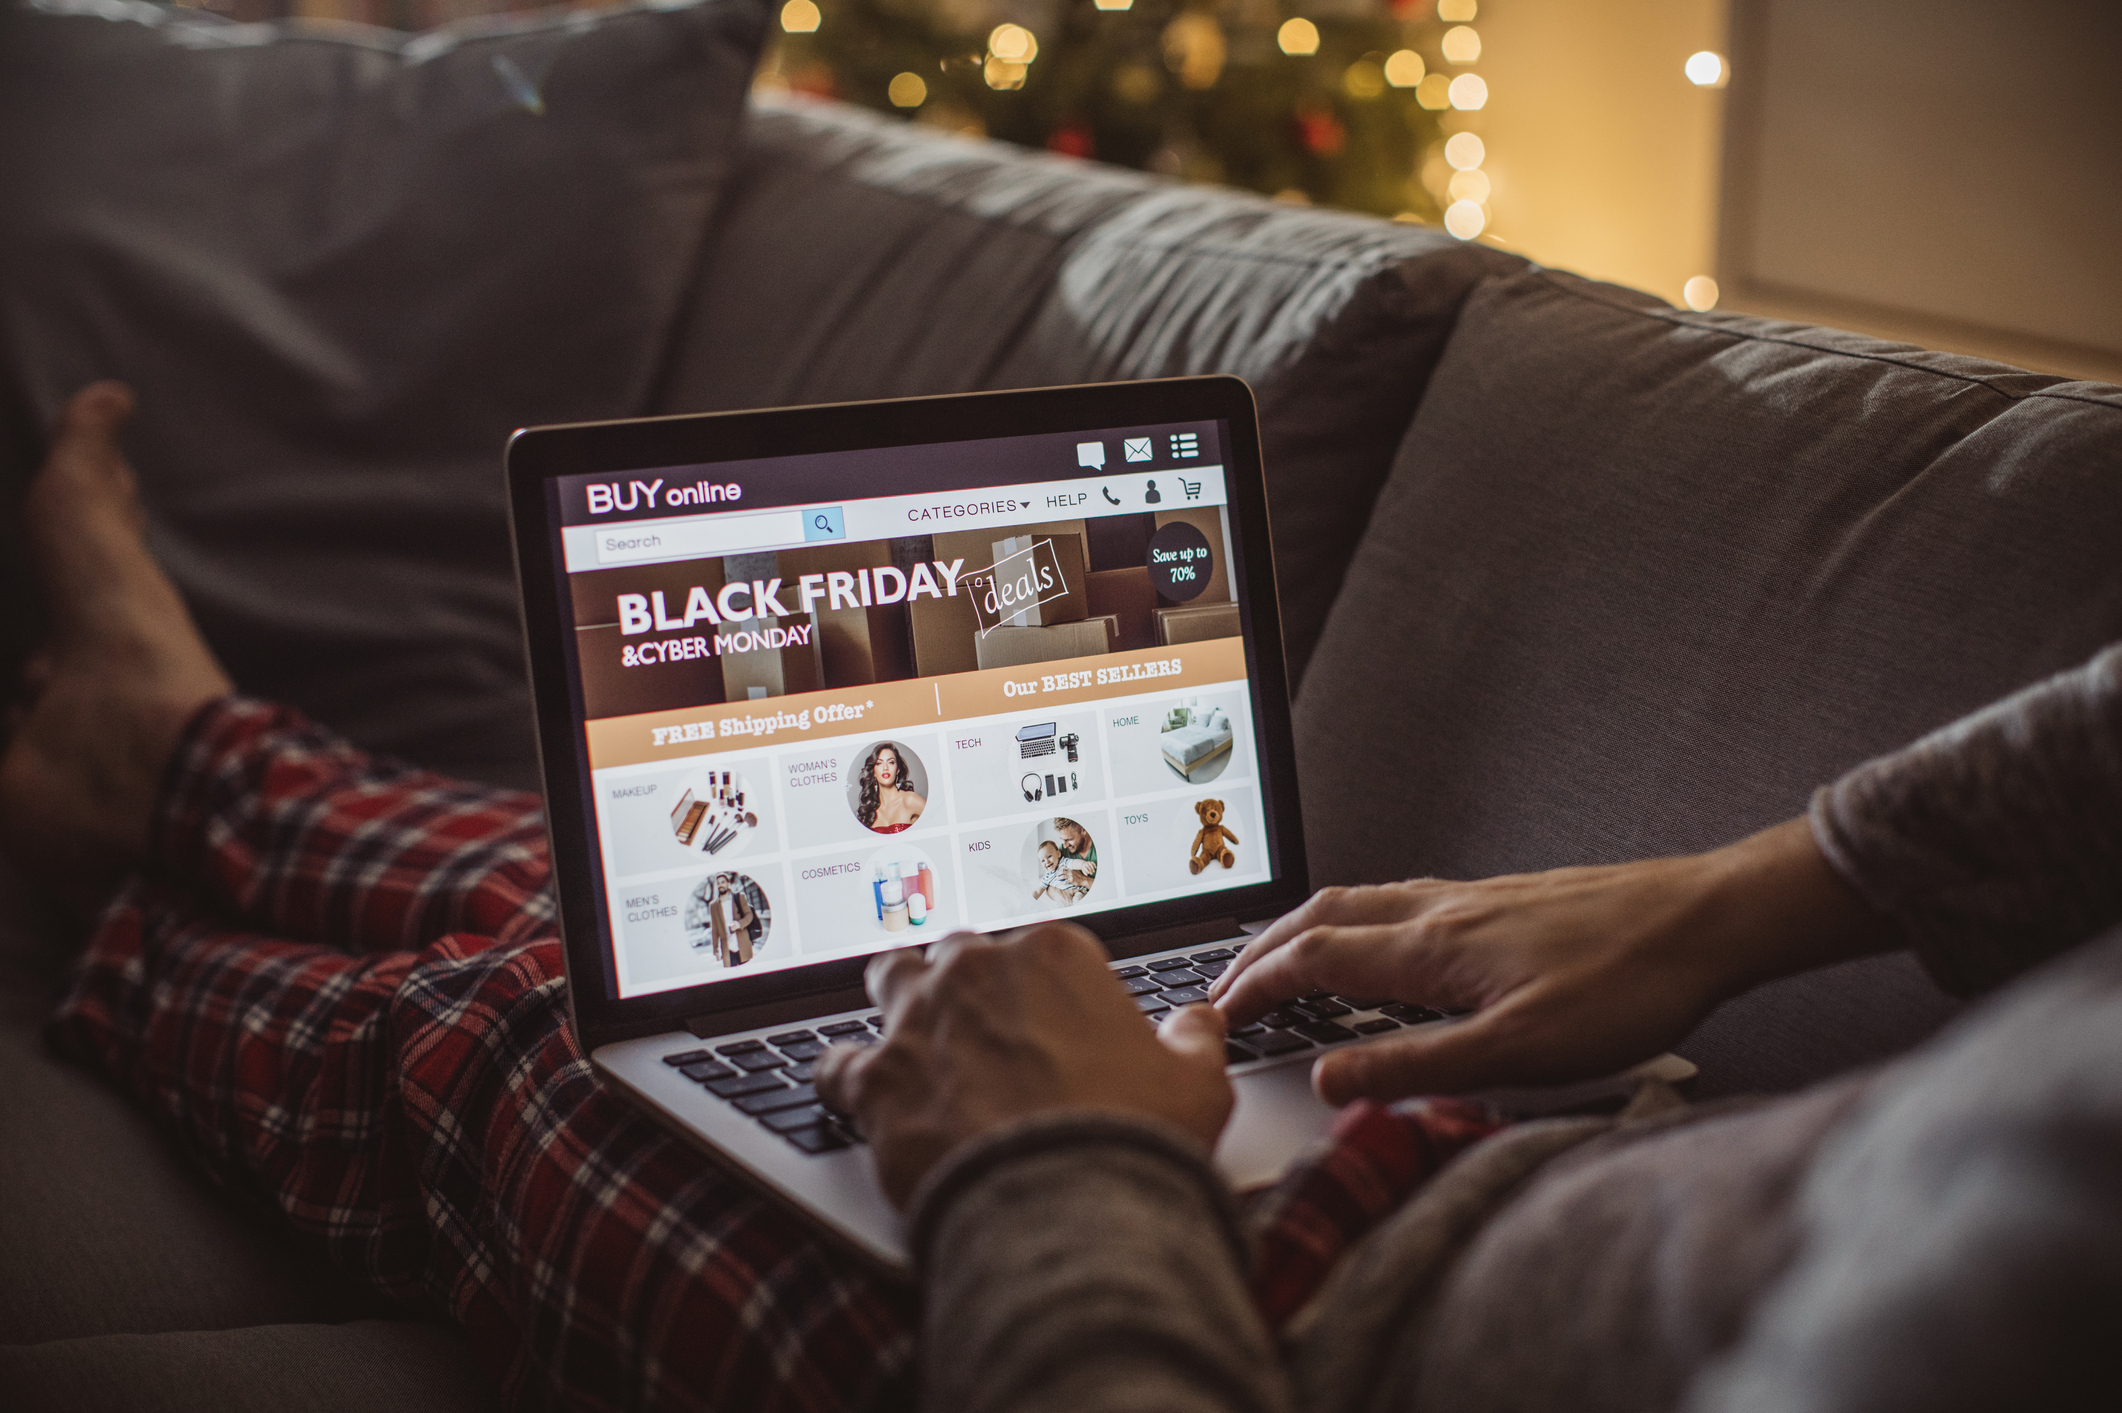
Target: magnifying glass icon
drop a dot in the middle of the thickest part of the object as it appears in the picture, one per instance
(823, 523)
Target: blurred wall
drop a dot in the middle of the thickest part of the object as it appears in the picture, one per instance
(1602, 156)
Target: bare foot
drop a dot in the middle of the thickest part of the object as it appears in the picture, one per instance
(123, 670)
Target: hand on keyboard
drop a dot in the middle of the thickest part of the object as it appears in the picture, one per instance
(981, 1033)
(1572, 974)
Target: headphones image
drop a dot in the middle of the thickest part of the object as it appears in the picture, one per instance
(1032, 788)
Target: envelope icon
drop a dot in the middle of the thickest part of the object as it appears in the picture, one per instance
(1137, 448)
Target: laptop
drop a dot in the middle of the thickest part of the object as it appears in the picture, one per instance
(816, 683)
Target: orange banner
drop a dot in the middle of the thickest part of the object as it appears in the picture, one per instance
(888, 706)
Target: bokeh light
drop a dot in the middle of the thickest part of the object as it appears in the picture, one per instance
(1469, 92)
(1013, 44)
(1363, 79)
(1465, 151)
(1469, 186)
(908, 90)
(1700, 293)
(1456, 12)
(1465, 219)
(800, 17)
(1299, 36)
(1462, 45)
(1434, 92)
(1404, 69)
(1707, 70)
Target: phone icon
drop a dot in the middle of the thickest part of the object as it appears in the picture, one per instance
(1111, 499)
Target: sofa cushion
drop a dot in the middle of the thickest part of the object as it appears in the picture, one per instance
(353, 1368)
(1641, 579)
(860, 257)
(341, 265)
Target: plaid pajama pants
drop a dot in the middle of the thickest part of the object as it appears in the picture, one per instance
(337, 985)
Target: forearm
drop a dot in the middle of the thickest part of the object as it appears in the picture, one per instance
(1086, 1263)
(1996, 842)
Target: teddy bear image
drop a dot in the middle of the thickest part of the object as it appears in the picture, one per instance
(1209, 843)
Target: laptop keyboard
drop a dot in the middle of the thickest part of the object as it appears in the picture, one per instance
(769, 1077)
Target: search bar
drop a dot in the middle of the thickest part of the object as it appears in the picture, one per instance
(715, 534)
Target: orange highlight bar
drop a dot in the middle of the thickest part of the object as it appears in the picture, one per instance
(921, 701)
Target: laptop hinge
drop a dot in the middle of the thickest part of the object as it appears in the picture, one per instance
(1165, 939)
(789, 1008)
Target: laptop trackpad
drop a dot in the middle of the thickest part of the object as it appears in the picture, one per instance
(1277, 1118)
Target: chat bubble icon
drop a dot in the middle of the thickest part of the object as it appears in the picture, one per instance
(1091, 454)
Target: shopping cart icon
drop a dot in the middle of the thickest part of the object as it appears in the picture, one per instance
(1192, 488)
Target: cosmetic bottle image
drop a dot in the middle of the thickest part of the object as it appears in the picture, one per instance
(877, 886)
(894, 893)
(927, 879)
(916, 909)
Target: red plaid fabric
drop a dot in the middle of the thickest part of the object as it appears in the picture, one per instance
(337, 987)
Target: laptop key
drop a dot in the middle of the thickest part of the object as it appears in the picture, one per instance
(1184, 995)
(1279, 1042)
(802, 1049)
(757, 1060)
(782, 1120)
(801, 1074)
(1377, 1027)
(740, 1085)
(818, 1138)
(1373, 1003)
(1137, 985)
(1244, 1030)
(687, 1057)
(1212, 970)
(740, 1047)
(1182, 977)
(1124, 973)
(773, 1099)
(1153, 1002)
(876, 1023)
(1326, 1032)
(1411, 1013)
(1322, 1009)
(1167, 964)
(1213, 954)
(701, 1071)
(839, 1028)
(790, 1037)
(1282, 1019)
(1235, 1053)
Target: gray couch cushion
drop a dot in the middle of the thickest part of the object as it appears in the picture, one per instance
(1641, 579)
(123, 1235)
(354, 1368)
(341, 265)
(859, 257)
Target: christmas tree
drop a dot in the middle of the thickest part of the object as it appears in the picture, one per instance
(1348, 109)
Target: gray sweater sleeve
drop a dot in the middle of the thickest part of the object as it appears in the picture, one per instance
(1995, 842)
(1087, 1263)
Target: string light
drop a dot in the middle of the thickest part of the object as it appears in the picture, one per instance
(1707, 69)
(1012, 44)
(800, 17)
(1363, 79)
(1299, 37)
(1462, 45)
(1114, 4)
(1469, 92)
(1434, 92)
(1465, 219)
(1465, 151)
(1456, 11)
(1700, 293)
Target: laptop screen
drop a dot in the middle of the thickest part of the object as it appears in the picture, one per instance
(842, 702)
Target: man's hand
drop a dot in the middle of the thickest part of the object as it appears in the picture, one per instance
(1570, 974)
(981, 1033)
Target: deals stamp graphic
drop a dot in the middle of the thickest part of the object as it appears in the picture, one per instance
(1010, 592)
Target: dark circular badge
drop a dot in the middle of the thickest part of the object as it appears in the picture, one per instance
(1179, 561)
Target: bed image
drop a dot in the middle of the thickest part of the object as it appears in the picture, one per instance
(1195, 739)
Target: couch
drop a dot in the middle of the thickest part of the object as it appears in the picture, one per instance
(1570, 576)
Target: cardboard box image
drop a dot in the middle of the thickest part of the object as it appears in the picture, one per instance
(772, 671)
(1196, 623)
(945, 630)
(1033, 581)
(1125, 596)
(1016, 647)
